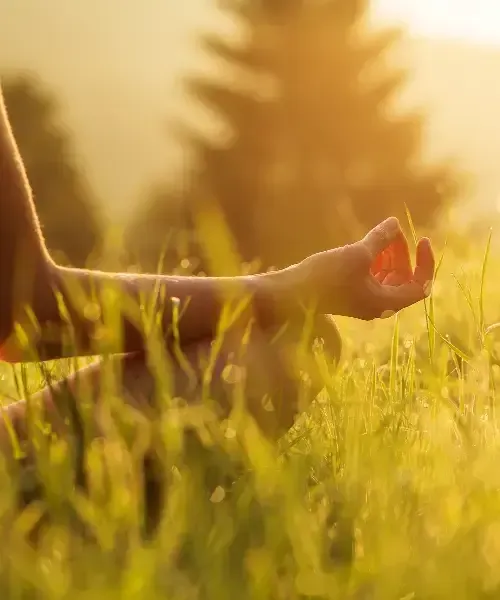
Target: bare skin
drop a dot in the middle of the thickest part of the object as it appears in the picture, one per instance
(369, 279)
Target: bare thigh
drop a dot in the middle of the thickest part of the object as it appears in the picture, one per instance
(261, 366)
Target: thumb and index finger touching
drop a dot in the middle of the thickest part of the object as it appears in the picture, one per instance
(418, 282)
(380, 237)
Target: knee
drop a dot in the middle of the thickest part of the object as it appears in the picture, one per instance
(266, 365)
(273, 367)
(322, 334)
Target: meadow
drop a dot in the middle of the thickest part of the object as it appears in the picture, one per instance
(388, 487)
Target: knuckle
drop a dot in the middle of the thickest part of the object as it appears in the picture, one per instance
(361, 255)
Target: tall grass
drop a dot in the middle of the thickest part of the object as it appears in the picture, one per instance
(387, 487)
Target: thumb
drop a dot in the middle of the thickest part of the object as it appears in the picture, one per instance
(381, 236)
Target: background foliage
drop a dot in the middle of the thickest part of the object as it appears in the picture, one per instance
(313, 152)
(68, 213)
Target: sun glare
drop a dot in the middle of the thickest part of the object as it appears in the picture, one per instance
(475, 20)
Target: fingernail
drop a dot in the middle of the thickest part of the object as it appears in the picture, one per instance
(427, 288)
(387, 314)
(392, 225)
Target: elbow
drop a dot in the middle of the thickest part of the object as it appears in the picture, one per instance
(23, 312)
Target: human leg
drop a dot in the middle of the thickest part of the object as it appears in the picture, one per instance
(262, 365)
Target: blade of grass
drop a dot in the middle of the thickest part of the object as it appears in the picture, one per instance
(394, 358)
(430, 312)
(410, 223)
(455, 349)
(431, 338)
(468, 298)
(409, 373)
(483, 280)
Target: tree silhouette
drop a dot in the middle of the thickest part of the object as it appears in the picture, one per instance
(315, 152)
(69, 220)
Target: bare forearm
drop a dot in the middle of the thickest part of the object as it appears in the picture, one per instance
(24, 261)
(189, 307)
(61, 312)
(16, 202)
(75, 307)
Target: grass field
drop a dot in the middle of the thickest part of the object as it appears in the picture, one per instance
(387, 488)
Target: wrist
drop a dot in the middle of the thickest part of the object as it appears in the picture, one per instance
(277, 297)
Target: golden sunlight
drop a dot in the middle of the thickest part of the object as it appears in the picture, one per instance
(474, 20)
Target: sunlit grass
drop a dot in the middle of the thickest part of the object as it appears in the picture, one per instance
(387, 487)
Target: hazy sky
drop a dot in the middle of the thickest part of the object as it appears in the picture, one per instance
(477, 20)
(117, 64)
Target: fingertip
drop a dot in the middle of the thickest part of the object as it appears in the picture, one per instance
(392, 224)
(392, 228)
(425, 258)
(425, 243)
(381, 236)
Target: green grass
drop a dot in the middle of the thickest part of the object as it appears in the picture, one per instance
(388, 487)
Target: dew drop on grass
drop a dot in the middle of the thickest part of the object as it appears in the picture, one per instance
(230, 433)
(306, 378)
(218, 495)
(233, 374)
(267, 403)
(318, 345)
(92, 311)
(176, 474)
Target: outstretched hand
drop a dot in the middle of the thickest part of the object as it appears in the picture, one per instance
(372, 278)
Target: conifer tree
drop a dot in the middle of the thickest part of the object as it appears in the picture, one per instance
(316, 152)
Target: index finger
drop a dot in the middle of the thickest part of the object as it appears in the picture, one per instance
(381, 236)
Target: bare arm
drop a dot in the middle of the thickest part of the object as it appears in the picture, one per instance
(187, 307)
(368, 279)
(32, 286)
(25, 265)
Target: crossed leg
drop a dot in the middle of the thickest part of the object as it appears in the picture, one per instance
(263, 365)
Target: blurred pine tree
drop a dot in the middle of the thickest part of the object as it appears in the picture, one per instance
(316, 153)
(70, 221)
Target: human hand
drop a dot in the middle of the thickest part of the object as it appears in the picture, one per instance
(372, 278)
